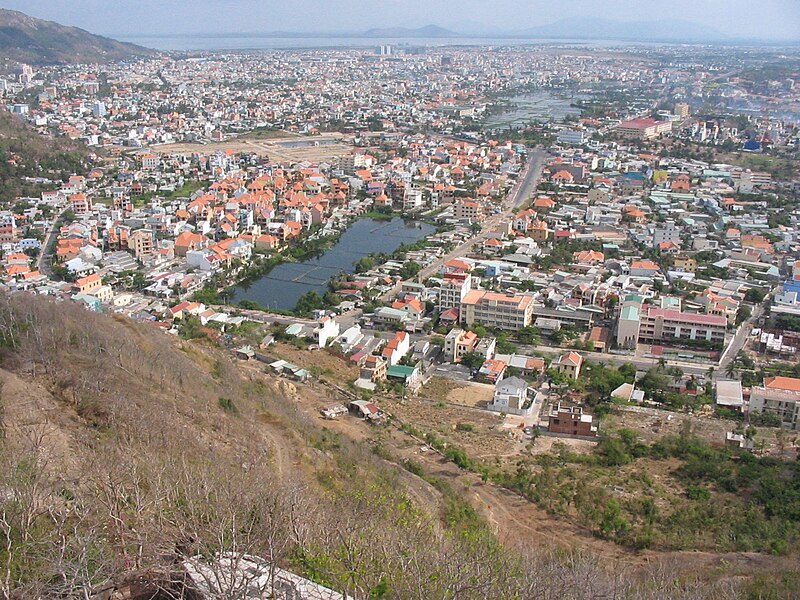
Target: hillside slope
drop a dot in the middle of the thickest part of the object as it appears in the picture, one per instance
(26, 153)
(124, 451)
(27, 39)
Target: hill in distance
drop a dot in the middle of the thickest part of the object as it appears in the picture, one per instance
(591, 28)
(429, 31)
(25, 153)
(27, 39)
(580, 28)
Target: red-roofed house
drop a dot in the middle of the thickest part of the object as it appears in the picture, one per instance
(569, 364)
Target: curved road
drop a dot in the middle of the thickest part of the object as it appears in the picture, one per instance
(525, 186)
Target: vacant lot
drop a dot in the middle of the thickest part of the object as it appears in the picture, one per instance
(475, 395)
(320, 362)
(330, 146)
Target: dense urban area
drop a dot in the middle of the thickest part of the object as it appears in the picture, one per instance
(534, 308)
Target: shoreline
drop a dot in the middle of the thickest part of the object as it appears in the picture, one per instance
(222, 295)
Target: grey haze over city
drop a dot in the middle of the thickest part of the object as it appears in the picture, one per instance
(692, 20)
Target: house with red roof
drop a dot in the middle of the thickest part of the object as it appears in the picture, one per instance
(569, 364)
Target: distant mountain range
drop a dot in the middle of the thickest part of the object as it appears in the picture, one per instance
(606, 29)
(31, 40)
(586, 28)
(578, 29)
(429, 31)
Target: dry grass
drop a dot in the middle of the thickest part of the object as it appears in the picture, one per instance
(132, 427)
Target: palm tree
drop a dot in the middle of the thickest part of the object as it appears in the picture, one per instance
(730, 369)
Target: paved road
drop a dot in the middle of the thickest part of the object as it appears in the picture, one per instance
(642, 363)
(45, 258)
(739, 341)
(525, 186)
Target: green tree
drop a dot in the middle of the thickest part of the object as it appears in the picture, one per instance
(365, 263)
(308, 303)
(472, 360)
(754, 295)
(743, 313)
(410, 269)
(529, 335)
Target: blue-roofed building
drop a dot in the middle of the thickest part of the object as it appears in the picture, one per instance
(89, 301)
(629, 322)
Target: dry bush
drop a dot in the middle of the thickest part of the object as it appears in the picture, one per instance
(164, 473)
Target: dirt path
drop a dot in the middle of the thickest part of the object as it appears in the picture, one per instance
(513, 519)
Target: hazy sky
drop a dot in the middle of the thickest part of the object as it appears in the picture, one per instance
(765, 19)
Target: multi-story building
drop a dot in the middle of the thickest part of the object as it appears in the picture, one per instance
(569, 364)
(413, 199)
(149, 161)
(685, 264)
(88, 284)
(374, 368)
(511, 397)
(81, 203)
(665, 323)
(638, 322)
(572, 136)
(140, 242)
(747, 181)
(643, 129)
(453, 290)
(780, 396)
(629, 322)
(503, 311)
(681, 109)
(668, 232)
(8, 227)
(467, 209)
(571, 420)
(457, 343)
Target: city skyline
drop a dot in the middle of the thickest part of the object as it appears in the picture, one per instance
(774, 20)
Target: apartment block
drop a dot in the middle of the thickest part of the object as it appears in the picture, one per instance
(468, 209)
(665, 324)
(780, 396)
(504, 311)
(453, 290)
(643, 129)
(638, 322)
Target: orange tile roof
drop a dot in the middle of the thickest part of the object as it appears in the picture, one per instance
(791, 384)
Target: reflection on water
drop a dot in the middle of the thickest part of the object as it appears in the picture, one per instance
(283, 286)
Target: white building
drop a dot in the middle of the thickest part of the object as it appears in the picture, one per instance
(327, 330)
(666, 233)
(453, 290)
(572, 136)
(511, 397)
(780, 396)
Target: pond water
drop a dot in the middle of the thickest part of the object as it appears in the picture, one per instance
(282, 287)
(543, 105)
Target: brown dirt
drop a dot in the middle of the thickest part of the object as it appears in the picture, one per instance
(486, 439)
(513, 518)
(474, 394)
(267, 147)
(440, 388)
(653, 423)
(332, 367)
(33, 418)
